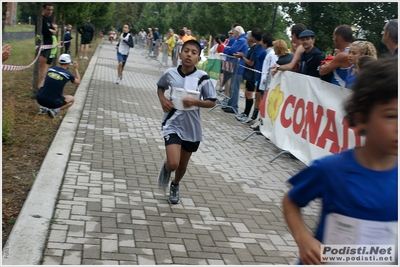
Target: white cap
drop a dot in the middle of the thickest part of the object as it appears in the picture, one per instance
(65, 59)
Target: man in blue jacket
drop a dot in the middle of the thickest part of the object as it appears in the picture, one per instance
(240, 45)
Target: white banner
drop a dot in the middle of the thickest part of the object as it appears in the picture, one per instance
(305, 116)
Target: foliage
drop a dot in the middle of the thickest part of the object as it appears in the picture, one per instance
(323, 18)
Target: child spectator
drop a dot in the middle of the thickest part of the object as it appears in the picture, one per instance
(50, 96)
(360, 185)
(364, 61)
(182, 128)
(67, 39)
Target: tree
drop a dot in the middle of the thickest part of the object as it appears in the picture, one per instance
(323, 18)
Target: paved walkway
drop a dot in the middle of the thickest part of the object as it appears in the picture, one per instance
(110, 210)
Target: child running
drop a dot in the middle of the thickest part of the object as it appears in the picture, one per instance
(181, 126)
(124, 44)
(358, 187)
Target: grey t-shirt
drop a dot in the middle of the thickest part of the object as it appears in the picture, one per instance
(186, 123)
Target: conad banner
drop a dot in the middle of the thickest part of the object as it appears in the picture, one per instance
(305, 116)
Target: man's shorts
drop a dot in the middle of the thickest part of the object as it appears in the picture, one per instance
(250, 86)
(258, 90)
(45, 53)
(85, 41)
(49, 60)
(51, 103)
(186, 145)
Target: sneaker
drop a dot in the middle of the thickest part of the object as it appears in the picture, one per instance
(118, 80)
(239, 116)
(256, 124)
(249, 119)
(42, 110)
(53, 113)
(86, 58)
(163, 176)
(244, 118)
(174, 194)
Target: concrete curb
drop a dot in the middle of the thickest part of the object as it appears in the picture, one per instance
(27, 240)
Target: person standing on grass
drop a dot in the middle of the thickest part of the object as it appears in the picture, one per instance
(47, 39)
(87, 32)
(50, 96)
(124, 44)
(182, 128)
(358, 187)
(67, 39)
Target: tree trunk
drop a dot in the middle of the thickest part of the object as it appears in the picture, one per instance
(38, 41)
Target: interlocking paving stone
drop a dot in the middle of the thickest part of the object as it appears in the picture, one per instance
(110, 210)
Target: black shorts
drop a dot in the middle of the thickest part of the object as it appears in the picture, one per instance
(45, 53)
(186, 145)
(49, 60)
(258, 90)
(51, 103)
(250, 86)
(85, 41)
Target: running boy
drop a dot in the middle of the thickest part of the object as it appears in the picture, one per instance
(181, 121)
(124, 44)
(358, 187)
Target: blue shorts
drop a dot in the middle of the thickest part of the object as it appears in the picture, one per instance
(51, 103)
(122, 58)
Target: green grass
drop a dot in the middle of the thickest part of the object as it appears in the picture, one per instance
(19, 28)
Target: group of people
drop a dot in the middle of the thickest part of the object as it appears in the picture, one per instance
(358, 187)
(52, 79)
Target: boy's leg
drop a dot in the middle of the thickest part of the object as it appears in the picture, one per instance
(69, 99)
(174, 197)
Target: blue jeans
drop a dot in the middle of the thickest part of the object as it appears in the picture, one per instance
(234, 91)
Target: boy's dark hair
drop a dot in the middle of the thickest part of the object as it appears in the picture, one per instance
(47, 4)
(181, 32)
(345, 32)
(376, 84)
(297, 29)
(234, 25)
(363, 61)
(268, 39)
(222, 37)
(192, 42)
(256, 33)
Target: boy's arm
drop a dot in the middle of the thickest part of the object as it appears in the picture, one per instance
(188, 102)
(309, 247)
(166, 104)
(292, 63)
(337, 62)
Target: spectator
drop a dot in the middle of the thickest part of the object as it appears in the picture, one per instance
(248, 73)
(53, 52)
(350, 184)
(87, 32)
(170, 41)
(124, 44)
(283, 53)
(265, 78)
(213, 49)
(50, 96)
(226, 82)
(6, 51)
(67, 39)
(203, 42)
(337, 68)
(188, 36)
(357, 50)
(182, 128)
(311, 57)
(390, 36)
(47, 34)
(142, 37)
(240, 45)
(293, 65)
(363, 61)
